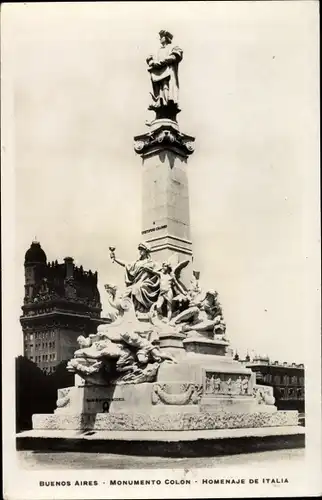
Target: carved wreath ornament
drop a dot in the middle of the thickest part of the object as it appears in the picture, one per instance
(191, 395)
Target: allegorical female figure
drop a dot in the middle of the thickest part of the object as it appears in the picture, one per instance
(143, 285)
(163, 68)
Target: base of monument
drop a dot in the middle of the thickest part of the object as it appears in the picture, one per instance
(157, 443)
(174, 421)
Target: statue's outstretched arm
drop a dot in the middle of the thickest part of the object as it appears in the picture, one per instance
(119, 262)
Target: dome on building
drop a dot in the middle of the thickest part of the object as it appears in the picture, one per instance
(35, 254)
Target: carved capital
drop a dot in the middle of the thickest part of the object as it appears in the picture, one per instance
(165, 136)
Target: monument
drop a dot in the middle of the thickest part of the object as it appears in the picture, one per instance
(163, 363)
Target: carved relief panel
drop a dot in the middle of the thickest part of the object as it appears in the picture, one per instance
(226, 383)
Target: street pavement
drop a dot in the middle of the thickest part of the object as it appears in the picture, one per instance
(71, 460)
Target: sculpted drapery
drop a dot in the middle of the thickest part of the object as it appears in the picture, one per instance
(143, 285)
(163, 69)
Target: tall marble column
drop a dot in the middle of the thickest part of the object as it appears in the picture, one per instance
(165, 194)
(164, 150)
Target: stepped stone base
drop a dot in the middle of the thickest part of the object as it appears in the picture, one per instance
(164, 444)
(206, 391)
(165, 422)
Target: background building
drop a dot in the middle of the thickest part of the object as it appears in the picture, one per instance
(286, 378)
(61, 302)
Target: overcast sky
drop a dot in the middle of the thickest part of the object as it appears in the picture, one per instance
(249, 91)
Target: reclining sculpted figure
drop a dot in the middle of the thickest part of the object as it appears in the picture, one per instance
(202, 315)
(118, 355)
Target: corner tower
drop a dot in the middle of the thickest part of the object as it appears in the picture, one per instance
(61, 302)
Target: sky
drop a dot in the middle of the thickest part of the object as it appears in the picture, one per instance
(248, 94)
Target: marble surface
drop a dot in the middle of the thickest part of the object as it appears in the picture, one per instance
(165, 422)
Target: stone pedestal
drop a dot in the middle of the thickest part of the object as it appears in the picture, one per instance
(170, 421)
(173, 344)
(201, 393)
(202, 345)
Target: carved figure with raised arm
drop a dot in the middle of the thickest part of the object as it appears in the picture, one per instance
(143, 284)
(170, 286)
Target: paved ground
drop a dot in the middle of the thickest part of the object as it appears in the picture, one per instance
(71, 460)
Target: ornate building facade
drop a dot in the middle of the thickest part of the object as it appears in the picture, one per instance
(286, 378)
(61, 302)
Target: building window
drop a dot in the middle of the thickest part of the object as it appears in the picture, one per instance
(300, 393)
(277, 379)
(301, 379)
(31, 336)
(291, 393)
(31, 358)
(285, 379)
(31, 346)
(294, 380)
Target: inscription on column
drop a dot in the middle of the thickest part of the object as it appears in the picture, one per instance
(157, 228)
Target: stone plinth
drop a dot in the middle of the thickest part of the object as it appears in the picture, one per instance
(173, 344)
(164, 444)
(237, 404)
(193, 367)
(166, 422)
(201, 391)
(202, 345)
